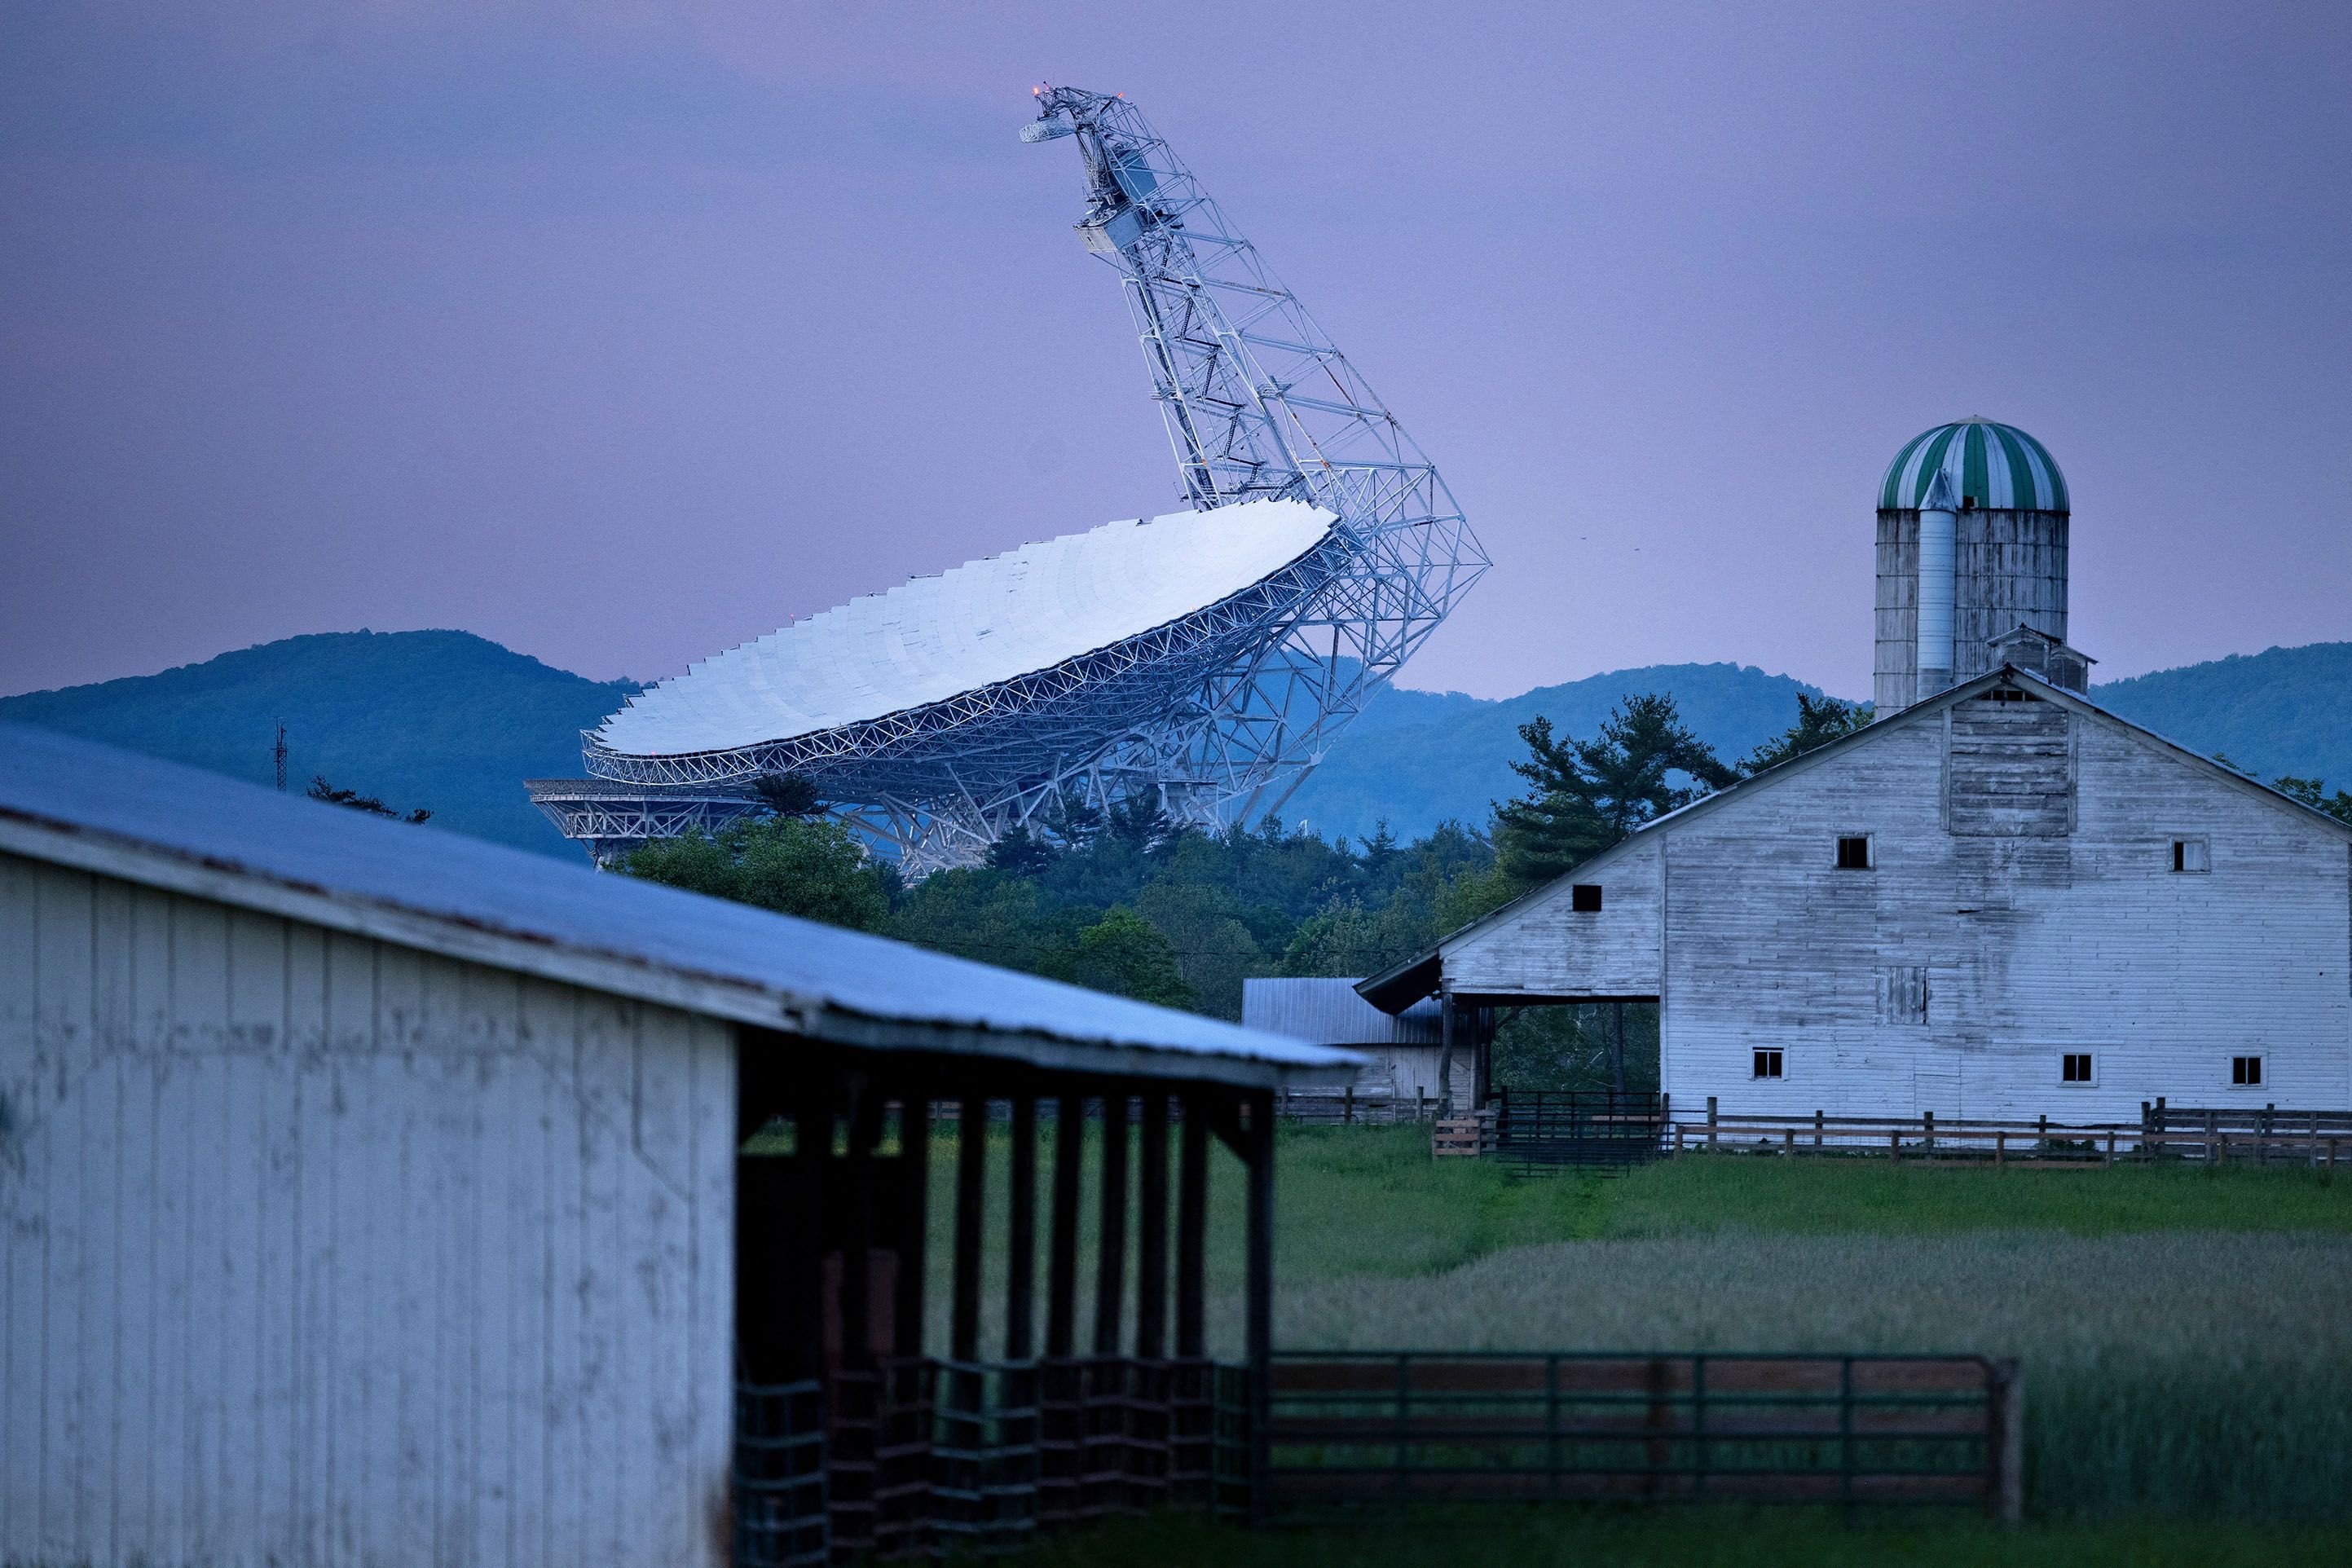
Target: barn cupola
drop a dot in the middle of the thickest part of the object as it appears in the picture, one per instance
(1972, 532)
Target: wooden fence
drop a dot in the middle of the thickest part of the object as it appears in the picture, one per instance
(2264, 1137)
(1369, 1426)
(1354, 1107)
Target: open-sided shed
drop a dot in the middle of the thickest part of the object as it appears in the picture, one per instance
(369, 1194)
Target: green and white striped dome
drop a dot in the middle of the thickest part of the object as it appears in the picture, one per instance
(1999, 467)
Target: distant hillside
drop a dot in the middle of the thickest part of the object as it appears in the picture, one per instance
(1418, 758)
(454, 722)
(443, 720)
(2284, 710)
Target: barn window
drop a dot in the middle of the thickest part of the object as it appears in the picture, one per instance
(2190, 855)
(1853, 853)
(2008, 694)
(1767, 1064)
(2246, 1072)
(2074, 1067)
(1584, 898)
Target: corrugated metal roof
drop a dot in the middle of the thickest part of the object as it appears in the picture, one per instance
(982, 623)
(1330, 1013)
(2001, 467)
(73, 803)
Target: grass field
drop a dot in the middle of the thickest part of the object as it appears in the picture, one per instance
(1556, 1538)
(2186, 1333)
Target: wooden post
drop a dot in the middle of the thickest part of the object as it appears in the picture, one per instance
(1259, 1315)
(1152, 1240)
(2001, 1147)
(971, 1190)
(1020, 1239)
(1787, 1141)
(1445, 1052)
(813, 1151)
(2041, 1130)
(1192, 1230)
(1927, 1130)
(1062, 1268)
(2331, 1154)
(914, 1218)
(857, 1251)
(1817, 1118)
(1678, 1138)
(2006, 1418)
(1347, 1105)
(1710, 1121)
(2111, 1145)
(1110, 1256)
(1894, 1143)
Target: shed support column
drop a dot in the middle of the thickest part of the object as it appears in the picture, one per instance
(1110, 1266)
(914, 1218)
(1192, 1229)
(972, 1178)
(1260, 1311)
(1021, 1242)
(857, 1252)
(813, 1151)
(1151, 1240)
(1062, 1279)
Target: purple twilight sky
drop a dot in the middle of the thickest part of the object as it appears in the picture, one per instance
(619, 332)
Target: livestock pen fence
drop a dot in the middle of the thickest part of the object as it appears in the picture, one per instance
(924, 1457)
(1347, 1428)
(927, 1458)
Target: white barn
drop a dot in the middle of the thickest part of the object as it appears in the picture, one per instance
(368, 1194)
(2002, 902)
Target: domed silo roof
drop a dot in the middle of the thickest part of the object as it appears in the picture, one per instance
(1999, 467)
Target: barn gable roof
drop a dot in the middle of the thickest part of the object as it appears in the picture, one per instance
(93, 807)
(1403, 984)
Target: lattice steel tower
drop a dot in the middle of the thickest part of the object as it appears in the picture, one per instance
(1259, 403)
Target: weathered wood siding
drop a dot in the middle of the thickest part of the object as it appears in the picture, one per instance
(2010, 569)
(2031, 943)
(1547, 949)
(318, 1250)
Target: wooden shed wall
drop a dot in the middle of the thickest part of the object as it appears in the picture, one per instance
(315, 1250)
(2026, 947)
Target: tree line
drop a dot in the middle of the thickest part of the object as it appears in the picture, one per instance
(1126, 901)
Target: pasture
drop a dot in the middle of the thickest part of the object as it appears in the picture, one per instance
(2187, 1360)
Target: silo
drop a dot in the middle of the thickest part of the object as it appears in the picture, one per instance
(1994, 493)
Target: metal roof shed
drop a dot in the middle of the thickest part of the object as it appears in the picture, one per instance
(369, 1193)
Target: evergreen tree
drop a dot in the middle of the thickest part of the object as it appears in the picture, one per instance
(1020, 853)
(1819, 720)
(1588, 795)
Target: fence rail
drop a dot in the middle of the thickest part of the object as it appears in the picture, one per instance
(1347, 1427)
(1354, 1107)
(2303, 1138)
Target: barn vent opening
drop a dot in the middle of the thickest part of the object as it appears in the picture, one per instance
(2246, 1072)
(1854, 854)
(2075, 1067)
(1584, 898)
(2189, 855)
(1767, 1064)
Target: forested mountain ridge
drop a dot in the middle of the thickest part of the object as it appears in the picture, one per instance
(454, 722)
(439, 720)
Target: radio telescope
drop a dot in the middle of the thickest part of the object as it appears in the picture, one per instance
(1205, 659)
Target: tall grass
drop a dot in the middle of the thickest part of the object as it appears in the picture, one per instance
(2185, 1333)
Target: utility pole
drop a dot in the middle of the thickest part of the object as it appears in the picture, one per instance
(278, 755)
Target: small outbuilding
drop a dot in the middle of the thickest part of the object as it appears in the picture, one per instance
(372, 1194)
(2003, 901)
(1402, 1052)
